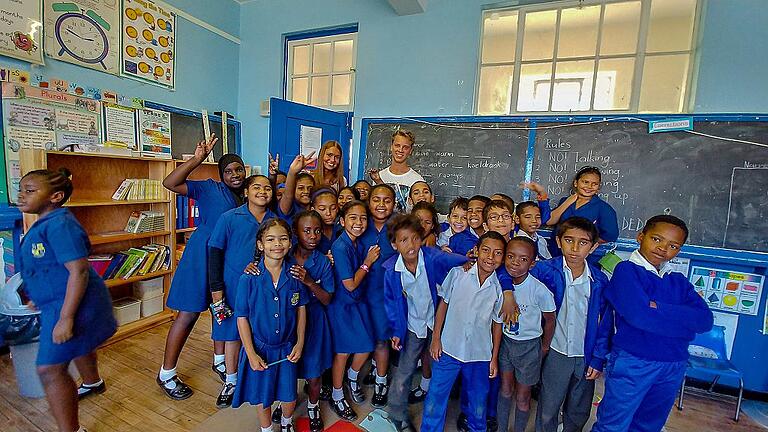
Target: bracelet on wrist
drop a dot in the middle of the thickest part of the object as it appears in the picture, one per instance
(365, 268)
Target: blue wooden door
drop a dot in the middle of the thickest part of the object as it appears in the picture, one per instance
(285, 122)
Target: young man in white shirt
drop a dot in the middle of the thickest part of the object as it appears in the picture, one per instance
(399, 174)
(467, 335)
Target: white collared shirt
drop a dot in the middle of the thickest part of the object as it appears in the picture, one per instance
(445, 237)
(472, 309)
(637, 258)
(421, 310)
(541, 244)
(571, 327)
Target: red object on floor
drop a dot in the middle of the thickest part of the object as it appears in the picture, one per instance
(302, 424)
(341, 426)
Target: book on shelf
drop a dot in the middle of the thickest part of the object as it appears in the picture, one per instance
(132, 262)
(145, 221)
(140, 189)
(100, 263)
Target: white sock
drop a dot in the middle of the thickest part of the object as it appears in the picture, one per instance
(266, 429)
(381, 379)
(352, 374)
(285, 421)
(425, 384)
(81, 429)
(373, 364)
(231, 378)
(166, 374)
(311, 405)
(96, 384)
(218, 359)
(337, 394)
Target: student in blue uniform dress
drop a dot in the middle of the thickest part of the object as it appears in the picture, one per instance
(427, 215)
(380, 206)
(325, 203)
(348, 194)
(348, 312)
(189, 292)
(271, 318)
(585, 203)
(229, 253)
(363, 189)
(298, 188)
(75, 306)
(658, 313)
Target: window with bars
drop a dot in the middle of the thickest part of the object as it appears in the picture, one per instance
(321, 71)
(614, 56)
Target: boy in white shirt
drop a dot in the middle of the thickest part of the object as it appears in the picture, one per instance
(523, 346)
(467, 335)
(399, 174)
(457, 222)
(528, 217)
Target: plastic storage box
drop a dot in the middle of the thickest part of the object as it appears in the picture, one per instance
(126, 310)
(148, 289)
(151, 306)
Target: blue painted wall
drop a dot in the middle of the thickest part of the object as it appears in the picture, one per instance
(206, 63)
(426, 64)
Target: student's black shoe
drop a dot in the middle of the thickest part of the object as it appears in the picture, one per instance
(225, 396)
(287, 428)
(370, 379)
(180, 392)
(356, 391)
(343, 410)
(276, 414)
(417, 395)
(491, 424)
(403, 426)
(325, 393)
(84, 390)
(315, 422)
(380, 395)
(462, 423)
(220, 370)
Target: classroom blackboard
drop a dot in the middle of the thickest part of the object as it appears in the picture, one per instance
(720, 188)
(456, 159)
(187, 131)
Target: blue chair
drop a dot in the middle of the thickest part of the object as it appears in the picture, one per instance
(708, 356)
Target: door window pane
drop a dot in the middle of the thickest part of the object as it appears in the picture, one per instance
(499, 37)
(621, 24)
(320, 91)
(299, 88)
(301, 59)
(495, 89)
(534, 87)
(663, 87)
(539, 37)
(342, 56)
(342, 88)
(578, 32)
(671, 26)
(573, 85)
(321, 58)
(613, 88)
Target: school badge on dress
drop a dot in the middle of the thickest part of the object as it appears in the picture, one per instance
(38, 250)
(295, 299)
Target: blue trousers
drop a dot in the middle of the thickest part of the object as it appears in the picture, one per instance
(474, 377)
(492, 400)
(639, 393)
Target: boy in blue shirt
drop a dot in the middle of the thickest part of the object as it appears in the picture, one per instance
(657, 314)
(467, 335)
(410, 292)
(580, 343)
(463, 242)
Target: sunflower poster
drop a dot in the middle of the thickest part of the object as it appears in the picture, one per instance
(149, 42)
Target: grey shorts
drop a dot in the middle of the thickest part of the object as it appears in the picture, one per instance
(521, 357)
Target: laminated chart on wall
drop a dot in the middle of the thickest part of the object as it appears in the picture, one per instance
(149, 42)
(41, 119)
(155, 133)
(21, 30)
(730, 291)
(84, 32)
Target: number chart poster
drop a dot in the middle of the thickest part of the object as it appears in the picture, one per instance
(149, 42)
(728, 290)
(21, 30)
(41, 119)
(85, 33)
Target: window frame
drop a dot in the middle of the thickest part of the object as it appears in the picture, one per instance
(639, 57)
(311, 39)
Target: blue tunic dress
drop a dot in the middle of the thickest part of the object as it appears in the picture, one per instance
(52, 241)
(189, 288)
(596, 210)
(375, 281)
(348, 313)
(324, 246)
(318, 349)
(272, 317)
(235, 234)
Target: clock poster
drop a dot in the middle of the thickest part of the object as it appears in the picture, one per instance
(84, 32)
(149, 42)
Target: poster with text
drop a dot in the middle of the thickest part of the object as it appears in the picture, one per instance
(149, 42)
(155, 133)
(120, 128)
(21, 30)
(84, 32)
(726, 290)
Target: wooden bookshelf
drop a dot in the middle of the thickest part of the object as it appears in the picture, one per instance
(117, 282)
(111, 202)
(185, 230)
(121, 236)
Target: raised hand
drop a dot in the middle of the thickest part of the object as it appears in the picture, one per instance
(274, 164)
(204, 148)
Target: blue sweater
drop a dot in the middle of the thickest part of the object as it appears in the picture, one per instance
(437, 265)
(661, 333)
(599, 315)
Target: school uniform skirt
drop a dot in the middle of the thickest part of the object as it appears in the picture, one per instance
(276, 383)
(227, 330)
(378, 315)
(350, 323)
(189, 288)
(93, 325)
(318, 350)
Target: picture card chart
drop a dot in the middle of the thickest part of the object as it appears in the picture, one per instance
(728, 290)
(84, 32)
(149, 42)
(155, 133)
(41, 119)
(21, 30)
(120, 128)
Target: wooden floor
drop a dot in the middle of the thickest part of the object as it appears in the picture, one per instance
(133, 401)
